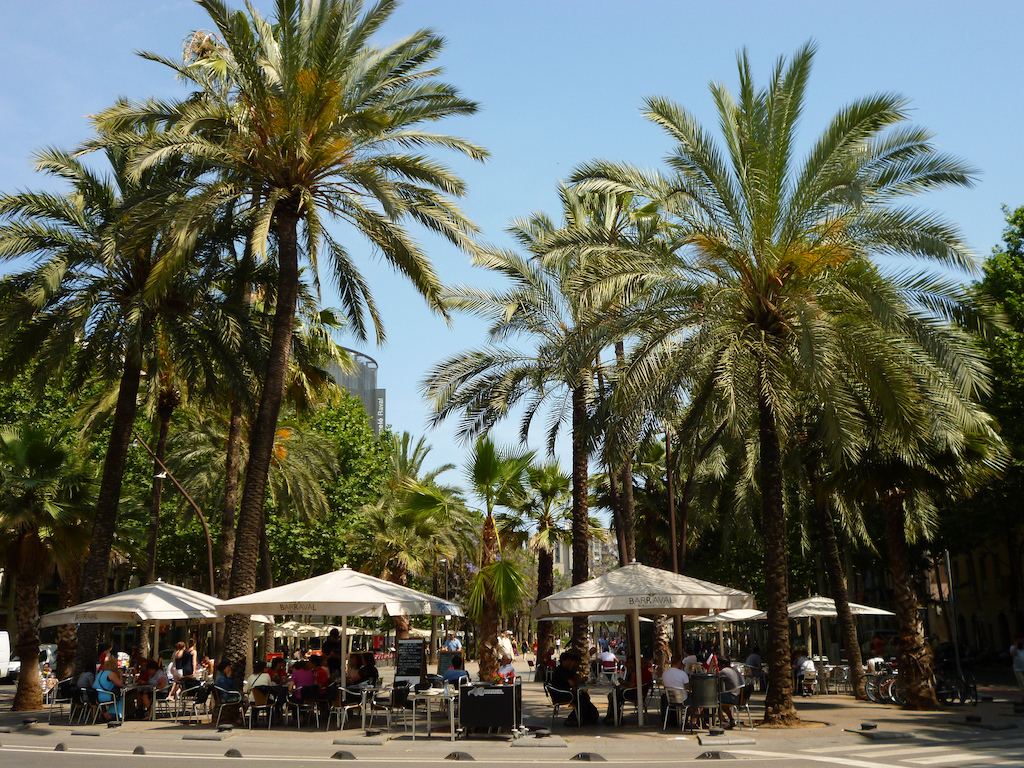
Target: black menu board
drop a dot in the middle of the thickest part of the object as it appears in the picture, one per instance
(410, 663)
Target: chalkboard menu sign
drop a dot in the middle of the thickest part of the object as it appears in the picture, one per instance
(444, 660)
(411, 661)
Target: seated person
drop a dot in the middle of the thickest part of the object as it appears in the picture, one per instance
(108, 682)
(302, 677)
(258, 678)
(691, 663)
(801, 667)
(152, 674)
(565, 682)
(733, 690)
(368, 669)
(455, 672)
(321, 675)
(625, 689)
(228, 692)
(507, 669)
(86, 679)
(674, 677)
(278, 672)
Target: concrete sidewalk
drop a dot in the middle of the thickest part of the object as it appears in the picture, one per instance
(828, 722)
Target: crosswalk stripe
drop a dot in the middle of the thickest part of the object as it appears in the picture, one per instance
(958, 757)
(901, 751)
(849, 747)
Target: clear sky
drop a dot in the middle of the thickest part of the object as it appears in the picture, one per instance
(560, 82)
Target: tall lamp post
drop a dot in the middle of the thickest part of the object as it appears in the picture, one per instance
(202, 519)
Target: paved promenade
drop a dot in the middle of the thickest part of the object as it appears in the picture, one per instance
(906, 738)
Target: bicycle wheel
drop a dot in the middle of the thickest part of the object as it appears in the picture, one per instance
(862, 683)
(897, 691)
(873, 688)
(970, 690)
(945, 690)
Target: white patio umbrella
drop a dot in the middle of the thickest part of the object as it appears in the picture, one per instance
(341, 593)
(818, 607)
(636, 589)
(728, 617)
(157, 602)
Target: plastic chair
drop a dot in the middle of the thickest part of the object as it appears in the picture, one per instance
(677, 700)
(609, 669)
(261, 699)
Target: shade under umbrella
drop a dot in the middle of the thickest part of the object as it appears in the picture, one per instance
(635, 589)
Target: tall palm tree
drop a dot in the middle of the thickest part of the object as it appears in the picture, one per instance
(309, 116)
(541, 308)
(86, 306)
(538, 521)
(495, 477)
(771, 285)
(43, 499)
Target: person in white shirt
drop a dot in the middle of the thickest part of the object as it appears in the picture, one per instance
(802, 666)
(507, 667)
(505, 644)
(674, 677)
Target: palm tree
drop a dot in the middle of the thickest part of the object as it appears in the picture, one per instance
(308, 116)
(770, 287)
(86, 306)
(497, 479)
(43, 499)
(538, 521)
(484, 385)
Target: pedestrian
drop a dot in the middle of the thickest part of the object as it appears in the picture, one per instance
(1017, 656)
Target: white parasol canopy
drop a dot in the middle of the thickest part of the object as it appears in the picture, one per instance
(158, 601)
(727, 617)
(818, 608)
(635, 589)
(824, 607)
(340, 593)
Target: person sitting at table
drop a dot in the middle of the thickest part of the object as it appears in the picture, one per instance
(456, 671)
(108, 682)
(625, 689)
(206, 667)
(302, 677)
(259, 677)
(674, 677)
(733, 690)
(690, 661)
(452, 643)
(366, 672)
(154, 675)
(278, 671)
(565, 682)
(228, 693)
(506, 668)
(801, 667)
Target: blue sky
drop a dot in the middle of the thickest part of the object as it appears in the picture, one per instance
(560, 83)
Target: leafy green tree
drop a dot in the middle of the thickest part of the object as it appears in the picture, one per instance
(771, 294)
(44, 497)
(309, 116)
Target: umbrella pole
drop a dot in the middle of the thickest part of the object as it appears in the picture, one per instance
(344, 650)
(721, 641)
(639, 672)
(821, 646)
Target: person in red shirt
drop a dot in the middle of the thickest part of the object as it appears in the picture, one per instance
(625, 690)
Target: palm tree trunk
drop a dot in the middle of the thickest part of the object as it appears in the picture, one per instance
(915, 656)
(778, 705)
(837, 579)
(232, 459)
(580, 513)
(628, 516)
(545, 588)
(615, 500)
(29, 694)
(263, 433)
(97, 565)
(70, 592)
(487, 647)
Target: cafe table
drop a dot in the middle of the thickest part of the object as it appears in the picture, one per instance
(428, 697)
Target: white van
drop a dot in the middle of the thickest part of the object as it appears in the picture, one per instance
(5, 655)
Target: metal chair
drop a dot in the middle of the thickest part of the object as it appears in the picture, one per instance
(193, 700)
(62, 693)
(532, 669)
(223, 698)
(390, 701)
(678, 701)
(557, 697)
(345, 700)
(636, 703)
(86, 703)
